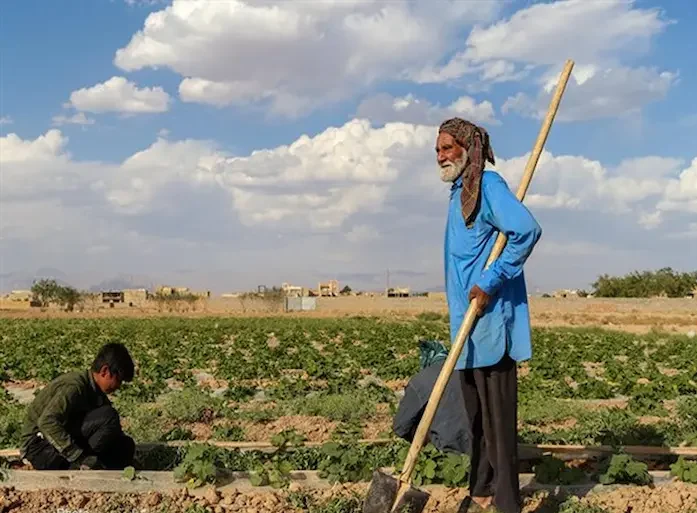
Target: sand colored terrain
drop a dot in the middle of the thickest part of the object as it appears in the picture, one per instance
(634, 315)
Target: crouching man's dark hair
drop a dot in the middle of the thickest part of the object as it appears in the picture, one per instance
(116, 357)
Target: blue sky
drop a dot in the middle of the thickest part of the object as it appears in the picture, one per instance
(210, 83)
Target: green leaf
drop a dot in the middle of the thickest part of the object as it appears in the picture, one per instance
(129, 473)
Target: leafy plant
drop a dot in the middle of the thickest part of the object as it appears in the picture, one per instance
(434, 466)
(349, 407)
(684, 470)
(575, 505)
(308, 504)
(198, 466)
(239, 393)
(191, 405)
(178, 433)
(623, 469)
(129, 474)
(276, 471)
(228, 433)
(344, 460)
(552, 470)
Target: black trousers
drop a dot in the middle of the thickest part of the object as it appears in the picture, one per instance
(491, 399)
(98, 433)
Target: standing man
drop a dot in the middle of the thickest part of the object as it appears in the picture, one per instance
(481, 207)
(71, 422)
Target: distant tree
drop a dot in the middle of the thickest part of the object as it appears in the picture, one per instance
(47, 291)
(646, 284)
(68, 297)
(345, 290)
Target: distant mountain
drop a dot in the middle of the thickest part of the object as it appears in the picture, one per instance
(50, 273)
(123, 282)
(23, 280)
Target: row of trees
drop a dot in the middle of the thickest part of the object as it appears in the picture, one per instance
(48, 291)
(643, 284)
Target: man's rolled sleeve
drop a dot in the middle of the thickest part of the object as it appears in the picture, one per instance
(510, 217)
(53, 421)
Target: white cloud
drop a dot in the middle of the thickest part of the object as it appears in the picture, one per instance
(547, 34)
(76, 119)
(120, 95)
(593, 94)
(6, 120)
(681, 192)
(383, 108)
(45, 147)
(292, 56)
(327, 194)
(323, 180)
(577, 183)
(543, 36)
(651, 220)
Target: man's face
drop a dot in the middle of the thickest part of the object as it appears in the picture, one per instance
(450, 156)
(106, 381)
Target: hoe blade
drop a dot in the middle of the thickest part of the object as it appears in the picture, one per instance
(382, 496)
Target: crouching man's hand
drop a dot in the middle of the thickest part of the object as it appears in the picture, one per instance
(481, 297)
(87, 462)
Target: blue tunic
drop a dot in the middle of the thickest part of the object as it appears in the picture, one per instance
(506, 321)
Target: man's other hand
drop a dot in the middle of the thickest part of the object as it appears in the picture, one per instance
(89, 462)
(481, 297)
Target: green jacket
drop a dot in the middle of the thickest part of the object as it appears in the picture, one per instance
(58, 409)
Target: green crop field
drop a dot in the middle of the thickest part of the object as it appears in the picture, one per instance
(336, 380)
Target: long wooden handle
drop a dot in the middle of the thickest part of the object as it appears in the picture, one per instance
(468, 322)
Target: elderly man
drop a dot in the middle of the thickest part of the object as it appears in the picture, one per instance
(481, 207)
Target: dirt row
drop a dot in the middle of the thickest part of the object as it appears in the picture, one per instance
(671, 498)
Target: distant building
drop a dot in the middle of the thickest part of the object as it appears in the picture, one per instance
(112, 296)
(328, 289)
(135, 297)
(166, 290)
(398, 292)
(20, 295)
(293, 290)
(566, 293)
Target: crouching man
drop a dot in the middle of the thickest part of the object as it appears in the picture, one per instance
(71, 423)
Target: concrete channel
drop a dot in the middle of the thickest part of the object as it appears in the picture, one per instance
(148, 481)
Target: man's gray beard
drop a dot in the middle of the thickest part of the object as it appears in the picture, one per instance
(451, 171)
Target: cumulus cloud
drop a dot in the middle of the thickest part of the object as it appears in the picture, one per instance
(384, 108)
(547, 34)
(120, 95)
(318, 198)
(294, 55)
(538, 39)
(681, 192)
(6, 120)
(597, 93)
(578, 183)
(76, 119)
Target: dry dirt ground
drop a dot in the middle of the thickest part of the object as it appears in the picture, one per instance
(671, 498)
(634, 315)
